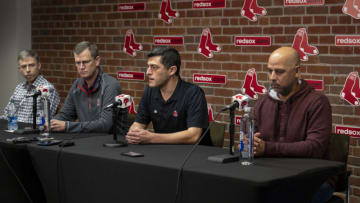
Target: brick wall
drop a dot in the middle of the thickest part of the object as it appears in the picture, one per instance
(57, 25)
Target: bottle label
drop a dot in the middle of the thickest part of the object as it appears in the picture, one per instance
(241, 146)
(12, 123)
(42, 123)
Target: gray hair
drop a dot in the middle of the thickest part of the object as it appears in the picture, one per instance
(28, 53)
(81, 46)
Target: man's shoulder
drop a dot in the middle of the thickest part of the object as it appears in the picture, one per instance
(265, 99)
(317, 96)
(190, 87)
(41, 80)
(20, 85)
(109, 79)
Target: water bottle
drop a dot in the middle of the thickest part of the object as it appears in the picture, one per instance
(47, 116)
(12, 118)
(246, 140)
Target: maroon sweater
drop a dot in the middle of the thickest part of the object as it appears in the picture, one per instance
(299, 127)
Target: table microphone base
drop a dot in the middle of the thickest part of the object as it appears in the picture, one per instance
(224, 158)
(115, 144)
(26, 131)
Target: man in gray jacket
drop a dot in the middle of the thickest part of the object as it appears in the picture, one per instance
(84, 107)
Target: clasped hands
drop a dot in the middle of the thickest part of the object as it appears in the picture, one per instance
(138, 136)
(56, 125)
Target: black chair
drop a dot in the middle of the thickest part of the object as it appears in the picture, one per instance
(217, 131)
(338, 151)
(131, 119)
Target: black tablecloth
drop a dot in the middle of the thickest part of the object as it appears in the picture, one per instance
(89, 172)
(17, 175)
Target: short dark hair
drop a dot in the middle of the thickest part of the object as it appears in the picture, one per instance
(28, 53)
(81, 46)
(169, 57)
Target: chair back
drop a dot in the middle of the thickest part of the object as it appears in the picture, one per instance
(217, 131)
(131, 119)
(338, 151)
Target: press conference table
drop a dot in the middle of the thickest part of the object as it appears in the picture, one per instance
(17, 175)
(89, 172)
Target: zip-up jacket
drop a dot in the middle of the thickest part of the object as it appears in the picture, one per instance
(298, 127)
(84, 108)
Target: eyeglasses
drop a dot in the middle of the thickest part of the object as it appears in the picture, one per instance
(31, 65)
(80, 63)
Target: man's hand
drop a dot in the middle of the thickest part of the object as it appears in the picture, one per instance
(57, 125)
(138, 136)
(259, 145)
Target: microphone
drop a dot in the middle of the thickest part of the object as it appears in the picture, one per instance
(42, 90)
(37, 93)
(45, 91)
(241, 102)
(121, 101)
(238, 101)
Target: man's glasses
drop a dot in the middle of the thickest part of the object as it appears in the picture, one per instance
(80, 63)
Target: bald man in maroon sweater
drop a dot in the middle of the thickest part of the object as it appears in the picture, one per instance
(292, 120)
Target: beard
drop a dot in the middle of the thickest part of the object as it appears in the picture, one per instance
(283, 91)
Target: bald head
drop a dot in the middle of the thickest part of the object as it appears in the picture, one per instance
(283, 66)
(288, 56)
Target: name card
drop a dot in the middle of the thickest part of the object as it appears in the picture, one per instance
(318, 85)
(347, 40)
(131, 7)
(169, 40)
(209, 4)
(131, 75)
(252, 41)
(210, 79)
(346, 130)
(303, 2)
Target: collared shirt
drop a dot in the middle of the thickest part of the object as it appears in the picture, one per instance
(24, 103)
(185, 108)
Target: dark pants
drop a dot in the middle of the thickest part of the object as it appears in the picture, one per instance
(323, 194)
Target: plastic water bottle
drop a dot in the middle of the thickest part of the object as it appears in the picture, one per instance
(47, 116)
(246, 140)
(12, 118)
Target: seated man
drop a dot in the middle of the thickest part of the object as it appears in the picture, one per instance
(29, 67)
(177, 109)
(292, 120)
(84, 107)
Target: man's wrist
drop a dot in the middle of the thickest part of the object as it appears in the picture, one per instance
(150, 137)
(67, 126)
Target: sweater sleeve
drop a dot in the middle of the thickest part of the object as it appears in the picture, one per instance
(68, 110)
(319, 123)
(54, 101)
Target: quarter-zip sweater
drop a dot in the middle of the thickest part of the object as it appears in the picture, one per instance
(298, 127)
(84, 108)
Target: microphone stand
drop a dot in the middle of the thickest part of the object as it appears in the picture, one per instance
(231, 157)
(28, 130)
(34, 110)
(116, 142)
(232, 130)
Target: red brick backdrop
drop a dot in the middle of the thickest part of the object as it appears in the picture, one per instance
(57, 25)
